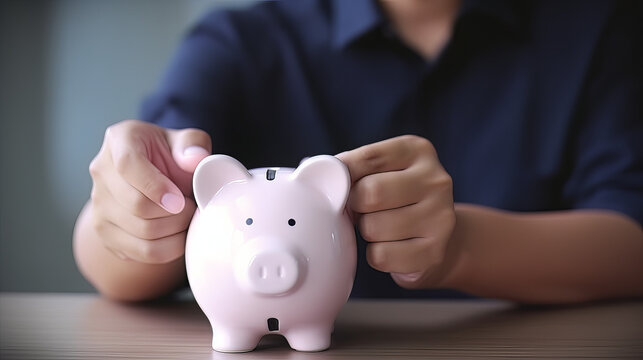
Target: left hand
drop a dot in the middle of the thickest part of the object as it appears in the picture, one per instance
(402, 202)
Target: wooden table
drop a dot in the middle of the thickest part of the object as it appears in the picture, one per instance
(84, 326)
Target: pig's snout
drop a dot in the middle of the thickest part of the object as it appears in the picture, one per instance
(272, 272)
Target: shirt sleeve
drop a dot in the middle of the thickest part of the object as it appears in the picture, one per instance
(201, 87)
(607, 139)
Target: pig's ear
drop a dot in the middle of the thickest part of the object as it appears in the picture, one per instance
(213, 173)
(328, 175)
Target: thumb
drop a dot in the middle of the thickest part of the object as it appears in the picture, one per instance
(189, 147)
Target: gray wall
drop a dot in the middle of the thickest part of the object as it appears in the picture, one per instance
(68, 69)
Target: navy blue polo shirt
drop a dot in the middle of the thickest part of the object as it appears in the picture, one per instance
(531, 106)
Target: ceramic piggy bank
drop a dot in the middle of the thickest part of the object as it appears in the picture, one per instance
(271, 250)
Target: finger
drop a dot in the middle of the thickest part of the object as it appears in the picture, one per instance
(406, 256)
(132, 163)
(391, 225)
(389, 190)
(189, 147)
(159, 251)
(150, 229)
(388, 155)
(428, 218)
(111, 191)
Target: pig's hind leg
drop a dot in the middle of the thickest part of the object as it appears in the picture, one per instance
(310, 338)
(226, 339)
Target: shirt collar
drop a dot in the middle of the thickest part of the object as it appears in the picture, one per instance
(351, 19)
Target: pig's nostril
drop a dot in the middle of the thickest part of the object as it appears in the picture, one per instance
(263, 272)
(281, 272)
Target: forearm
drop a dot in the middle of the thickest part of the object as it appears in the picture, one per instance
(121, 279)
(557, 257)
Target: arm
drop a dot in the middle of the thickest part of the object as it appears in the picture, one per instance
(557, 257)
(402, 203)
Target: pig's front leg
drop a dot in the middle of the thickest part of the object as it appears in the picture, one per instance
(311, 337)
(229, 339)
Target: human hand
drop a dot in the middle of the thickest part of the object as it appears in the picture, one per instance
(402, 202)
(142, 185)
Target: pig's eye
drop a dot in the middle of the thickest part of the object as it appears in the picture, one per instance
(291, 222)
(249, 221)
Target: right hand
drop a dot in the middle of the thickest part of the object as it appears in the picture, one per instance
(142, 189)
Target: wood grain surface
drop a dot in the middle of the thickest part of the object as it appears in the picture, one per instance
(85, 326)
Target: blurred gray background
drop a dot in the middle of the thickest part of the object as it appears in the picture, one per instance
(68, 69)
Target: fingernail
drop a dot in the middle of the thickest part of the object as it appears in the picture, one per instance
(195, 151)
(172, 203)
(410, 277)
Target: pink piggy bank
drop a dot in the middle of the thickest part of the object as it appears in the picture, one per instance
(271, 250)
